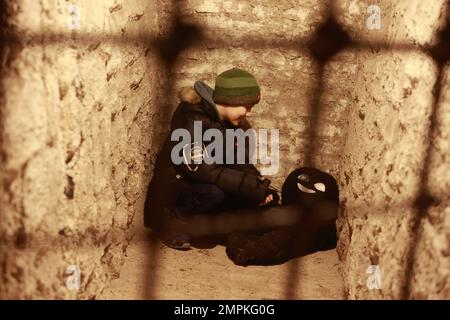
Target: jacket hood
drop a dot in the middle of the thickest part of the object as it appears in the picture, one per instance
(201, 92)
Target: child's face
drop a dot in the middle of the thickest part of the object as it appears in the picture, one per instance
(235, 114)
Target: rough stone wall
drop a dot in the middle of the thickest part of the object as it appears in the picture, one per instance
(79, 130)
(384, 154)
(431, 276)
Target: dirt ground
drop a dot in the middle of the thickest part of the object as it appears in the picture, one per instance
(153, 271)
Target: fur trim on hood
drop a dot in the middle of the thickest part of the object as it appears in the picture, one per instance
(189, 95)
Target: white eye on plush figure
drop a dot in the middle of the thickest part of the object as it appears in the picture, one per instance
(319, 186)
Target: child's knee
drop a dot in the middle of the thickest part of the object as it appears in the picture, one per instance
(217, 196)
(202, 198)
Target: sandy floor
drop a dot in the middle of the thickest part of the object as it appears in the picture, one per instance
(153, 271)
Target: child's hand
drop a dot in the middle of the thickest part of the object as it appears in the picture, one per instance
(272, 198)
(268, 199)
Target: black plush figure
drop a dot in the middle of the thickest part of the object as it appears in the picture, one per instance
(314, 191)
(315, 195)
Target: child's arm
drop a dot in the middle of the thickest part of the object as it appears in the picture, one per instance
(247, 184)
(249, 153)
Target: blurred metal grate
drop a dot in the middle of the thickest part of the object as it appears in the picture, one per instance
(329, 39)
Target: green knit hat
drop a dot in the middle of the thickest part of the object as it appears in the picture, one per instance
(236, 87)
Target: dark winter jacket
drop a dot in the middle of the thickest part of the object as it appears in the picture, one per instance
(241, 180)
